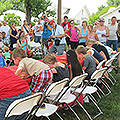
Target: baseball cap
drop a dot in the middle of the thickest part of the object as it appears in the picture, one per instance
(101, 19)
(51, 22)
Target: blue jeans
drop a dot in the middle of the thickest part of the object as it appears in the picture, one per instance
(114, 43)
(4, 103)
(57, 49)
(37, 39)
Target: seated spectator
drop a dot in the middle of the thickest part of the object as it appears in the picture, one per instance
(6, 53)
(60, 70)
(41, 73)
(2, 61)
(23, 43)
(73, 63)
(10, 91)
(89, 65)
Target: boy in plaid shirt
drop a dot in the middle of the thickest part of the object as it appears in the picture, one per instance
(41, 73)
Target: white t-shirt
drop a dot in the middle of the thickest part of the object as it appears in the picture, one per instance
(37, 29)
(5, 29)
(112, 32)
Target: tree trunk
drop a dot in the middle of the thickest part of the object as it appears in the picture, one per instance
(28, 12)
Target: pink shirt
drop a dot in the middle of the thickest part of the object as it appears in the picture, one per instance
(74, 36)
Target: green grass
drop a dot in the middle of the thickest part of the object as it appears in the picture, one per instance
(110, 105)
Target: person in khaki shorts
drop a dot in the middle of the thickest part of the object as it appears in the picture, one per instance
(41, 73)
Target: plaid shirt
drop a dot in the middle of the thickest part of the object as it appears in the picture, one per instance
(41, 82)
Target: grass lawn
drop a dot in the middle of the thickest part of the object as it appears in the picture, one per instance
(110, 105)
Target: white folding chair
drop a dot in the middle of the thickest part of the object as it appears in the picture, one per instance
(87, 91)
(65, 98)
(21, 106)
(108, 64)
(54, 89)
(100, 64)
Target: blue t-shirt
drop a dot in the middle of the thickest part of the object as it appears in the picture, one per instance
(46, 32)
(25, 47)
(83, 34)
(2, 61)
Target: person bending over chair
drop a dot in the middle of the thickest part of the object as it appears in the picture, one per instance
(41, 73)
(60, 70)
(89, 65)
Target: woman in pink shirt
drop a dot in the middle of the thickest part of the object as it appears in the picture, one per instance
(73, 35)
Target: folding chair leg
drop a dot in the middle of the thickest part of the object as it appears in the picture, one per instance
(110, 81)
(106, 88)
(58, 115)
(47, 117)
(73, 111)
(112, 76)
(96, 106)
(106, 83)
(84, 110)
(100, 90)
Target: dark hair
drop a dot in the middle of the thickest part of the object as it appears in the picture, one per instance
(73, 61)
(3, 32)
(20, 34)
(113, 17)
(65, 17)
(84, 22)
(71, 21)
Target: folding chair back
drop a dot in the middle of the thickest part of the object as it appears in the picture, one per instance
(78, 80)
(98, 73)
(115, 56)
(109, 62)
(101, 64)
(20, 106)
(56, 87)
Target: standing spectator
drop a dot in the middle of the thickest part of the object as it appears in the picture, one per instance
(73, 35)
(13, 35)
(83, 33)
(66, 25)
(118, 35)
(5, 40)
(2, 61)
(59, 41)
(37, 31)
(112, 39)
(26, 30)
(91, 34)
(102, 31)
(47, 31)
(5, 28)
(30, 26)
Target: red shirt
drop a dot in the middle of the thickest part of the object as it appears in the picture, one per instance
(10, 84)
(67, 26)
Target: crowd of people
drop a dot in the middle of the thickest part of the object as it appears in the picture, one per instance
(86, 48)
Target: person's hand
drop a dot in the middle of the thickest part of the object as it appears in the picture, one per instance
(103, 35)
(16, 37)
(52, 36)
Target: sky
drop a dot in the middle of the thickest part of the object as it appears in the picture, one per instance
(92, 5)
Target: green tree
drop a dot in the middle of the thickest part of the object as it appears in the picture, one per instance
(35, 7)
(9, 18)
(113, 2)
(5, 5)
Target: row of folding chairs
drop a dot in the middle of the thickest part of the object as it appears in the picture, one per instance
(58, 93)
